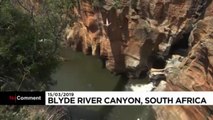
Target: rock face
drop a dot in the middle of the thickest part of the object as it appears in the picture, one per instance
(129, 37)
(196, 74)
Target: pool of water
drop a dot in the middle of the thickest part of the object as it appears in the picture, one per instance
(85, 73)
(80, 72)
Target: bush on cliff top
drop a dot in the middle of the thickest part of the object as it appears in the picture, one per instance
(25, 62)
(29, 41)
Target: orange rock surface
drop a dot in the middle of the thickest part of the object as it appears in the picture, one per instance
(128, 36)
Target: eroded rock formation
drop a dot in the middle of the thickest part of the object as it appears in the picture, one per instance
(127, 36)
(132, 35)
(196, 74)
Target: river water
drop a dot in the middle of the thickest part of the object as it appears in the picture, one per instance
(85, 73)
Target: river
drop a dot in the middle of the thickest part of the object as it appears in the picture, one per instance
(85, 73)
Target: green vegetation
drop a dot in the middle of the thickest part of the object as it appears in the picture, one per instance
(26, 62)
(97, 3)
(101, 3)
(8, 113)
(29, 41)
(117, 3)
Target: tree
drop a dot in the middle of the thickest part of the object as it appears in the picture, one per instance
(29, 39)
(29, 42)
(23, 58)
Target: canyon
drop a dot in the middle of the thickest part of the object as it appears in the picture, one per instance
(138, 36)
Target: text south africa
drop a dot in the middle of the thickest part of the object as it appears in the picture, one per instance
(127, 100)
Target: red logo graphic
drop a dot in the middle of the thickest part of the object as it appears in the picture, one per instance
(12, 98)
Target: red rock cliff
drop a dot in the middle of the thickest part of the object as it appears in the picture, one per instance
(128, 35)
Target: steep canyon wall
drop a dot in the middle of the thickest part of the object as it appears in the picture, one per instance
(130, 37)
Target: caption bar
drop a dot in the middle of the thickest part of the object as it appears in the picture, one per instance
(128, 98)
(106, 98)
